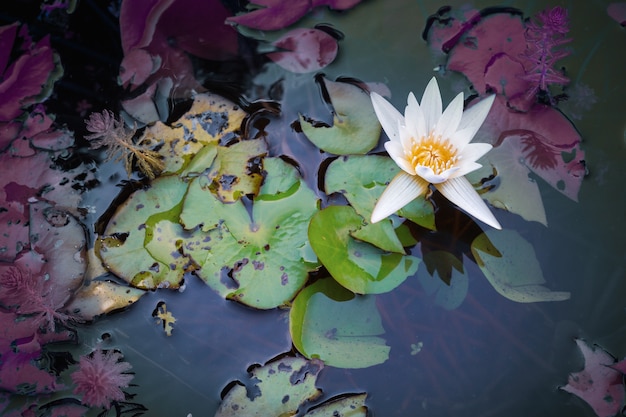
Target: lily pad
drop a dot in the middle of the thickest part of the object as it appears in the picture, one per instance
(275, 389)
(328, 322)
(210, 120)
(236, 170)
(260, 258)
(355, 128)
(358, 266)
(351, 405)
(102, 297)
(362, 179)
(141, 242)
(510, 264)
(506, 184)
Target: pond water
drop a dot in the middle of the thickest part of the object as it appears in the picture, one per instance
(467, 350)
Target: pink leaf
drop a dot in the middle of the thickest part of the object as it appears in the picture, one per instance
(495, 35)
(24, 79)
(272, 14)
(306, 50)
(165, 31)
(597, 384)
(278, 14)
(620, 366)
(617, 12)
(7, 38)
(550, 143)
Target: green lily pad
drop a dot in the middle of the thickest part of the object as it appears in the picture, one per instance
(328, 322)
(102, 297)
(506, 184)
(275, 389)
(260, 258)
(512, 268)
(358, 266)
(355, 128)
(350, 405)
(141, 242)
(362, 179)
(450, 288)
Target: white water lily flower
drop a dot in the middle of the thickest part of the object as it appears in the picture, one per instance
(433, 147)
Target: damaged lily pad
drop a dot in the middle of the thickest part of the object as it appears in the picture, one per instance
(511, 266)
(210, 120)
(278, 388)
(351, 405)
(141, 242)
(355, 128)
(102, 297)
(358, 266)
(329, 322)
(260, 257)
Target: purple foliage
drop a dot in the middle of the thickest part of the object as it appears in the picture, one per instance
(100, 377)
(28, 295)
(544, 36)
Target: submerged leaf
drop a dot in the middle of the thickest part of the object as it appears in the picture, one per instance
(504, 181)
(358, 266)
(102, 297)
(598, 384)
(328, 322)
(355, 128)
(512, 269)
(278, 388)
(304, 50)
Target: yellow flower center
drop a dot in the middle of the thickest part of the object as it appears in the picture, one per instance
(434, 152)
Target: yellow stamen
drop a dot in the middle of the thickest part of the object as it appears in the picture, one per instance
(434, 152)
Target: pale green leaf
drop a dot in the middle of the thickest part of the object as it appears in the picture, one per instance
(330, 323)
(515, 273)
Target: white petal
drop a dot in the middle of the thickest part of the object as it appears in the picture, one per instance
(414, 118)
(431, 105)
(460, 192)
(402, 189)
(449, 121)
(387, 115)
(474, 116)
(429, 175)
(394, 149)
(406, 138)
(462, 137)
(465, 168)
(474, 151)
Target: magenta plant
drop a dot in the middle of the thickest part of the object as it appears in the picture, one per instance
(544, 36)
(100, 378)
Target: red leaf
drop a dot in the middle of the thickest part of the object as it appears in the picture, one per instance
(617, 12)
(597, 384)
(278, 14)
(164, 30)
(306, 50)
(550, 143)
